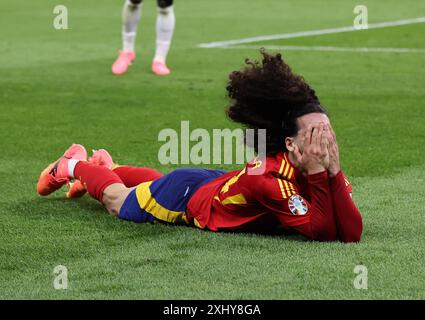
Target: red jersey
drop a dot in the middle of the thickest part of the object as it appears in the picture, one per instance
(279, 197)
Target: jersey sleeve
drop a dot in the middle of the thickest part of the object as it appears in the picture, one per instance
(348, 218)
(314, 218)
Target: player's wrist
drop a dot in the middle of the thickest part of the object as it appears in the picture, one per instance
(315, 170)
(334, 173)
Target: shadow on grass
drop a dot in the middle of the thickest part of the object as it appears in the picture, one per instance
(85, 214)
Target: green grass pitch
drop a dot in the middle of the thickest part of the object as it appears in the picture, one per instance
(56, 88)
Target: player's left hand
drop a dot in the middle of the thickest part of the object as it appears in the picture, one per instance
(333, 150)
(314, 157)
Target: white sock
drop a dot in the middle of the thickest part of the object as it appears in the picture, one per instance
(71, 166)
(165, 22)
(131, 14)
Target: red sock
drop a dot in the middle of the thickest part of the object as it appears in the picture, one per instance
(133, 176)
(95, 178)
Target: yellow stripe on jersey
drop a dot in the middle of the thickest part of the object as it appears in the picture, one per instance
(231, 181)
(290, 173)
(289, 169)
(236, 199)
(148, 203)
(285, 185)
(197, 224)
(293, 188)
(282, 166)
(282, 189)
(286, 170)
(289, 188)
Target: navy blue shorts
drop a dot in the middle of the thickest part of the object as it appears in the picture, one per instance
(131, 210)
(166, 198)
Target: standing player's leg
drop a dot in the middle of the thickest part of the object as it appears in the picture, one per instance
(165, 23)
(131, 14)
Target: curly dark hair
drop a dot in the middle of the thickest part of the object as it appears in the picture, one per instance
(270, 96)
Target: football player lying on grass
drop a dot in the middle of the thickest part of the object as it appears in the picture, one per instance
(301, 187)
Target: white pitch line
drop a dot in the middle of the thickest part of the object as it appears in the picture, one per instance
(331, 49)
(221, 44)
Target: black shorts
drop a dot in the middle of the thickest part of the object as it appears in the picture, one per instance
(161, 3)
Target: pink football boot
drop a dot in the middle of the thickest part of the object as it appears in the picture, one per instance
(56, 174)
(123, 61)
(160, 68)
(100, 157)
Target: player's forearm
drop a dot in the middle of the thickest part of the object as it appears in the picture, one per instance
(347, 216)
(322, 217)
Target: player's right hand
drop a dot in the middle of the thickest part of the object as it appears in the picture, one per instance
(333, 149)
(315, 155)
